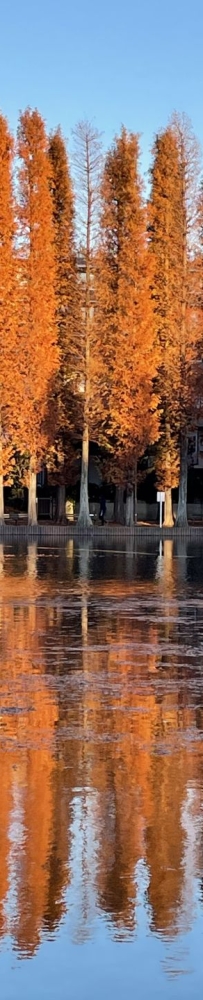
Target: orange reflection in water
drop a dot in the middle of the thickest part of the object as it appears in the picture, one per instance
(101, 751)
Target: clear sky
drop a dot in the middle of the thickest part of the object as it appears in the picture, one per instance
(113, 61)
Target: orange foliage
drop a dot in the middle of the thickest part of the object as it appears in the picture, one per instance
(172, 237)
(104, 344)
(164, 232)
(9, 369)
(39, 355)
(125, 313)
(62, 456)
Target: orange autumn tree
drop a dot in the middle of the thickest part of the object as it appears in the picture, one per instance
(175, 173)
(125, 316)
(39, 356)
(62, 455)
(164, 234)
(9, 369)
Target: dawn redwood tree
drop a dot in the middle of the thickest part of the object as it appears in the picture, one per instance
(39, 356)
(67, 315)
(9, 369)
(189, 169)
(87, 165)
(125, 319)
(173, 229)
(164, 235)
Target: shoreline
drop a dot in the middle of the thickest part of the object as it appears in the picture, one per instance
(54, 532)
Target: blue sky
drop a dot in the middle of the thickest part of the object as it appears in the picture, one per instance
(130, 62)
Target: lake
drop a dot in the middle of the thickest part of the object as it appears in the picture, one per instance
(101, 770)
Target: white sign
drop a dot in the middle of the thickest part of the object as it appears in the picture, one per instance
(160, 499)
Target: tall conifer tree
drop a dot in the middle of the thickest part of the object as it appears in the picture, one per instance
(38, 327)
(173, 225)
(164, 234)
(67, 301)
(125, 313)
(9, 367)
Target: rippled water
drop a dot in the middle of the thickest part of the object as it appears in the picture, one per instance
(101, 771)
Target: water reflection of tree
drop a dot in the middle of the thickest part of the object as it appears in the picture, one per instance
(34, 833)
(101, 705)
(144, 773)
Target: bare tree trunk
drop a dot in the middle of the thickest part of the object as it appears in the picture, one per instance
(61, 505)
(84, 519)
(129, 509)
(87, 160)
(168, 509)
(119, 514)
(181, 520)
(32, 494)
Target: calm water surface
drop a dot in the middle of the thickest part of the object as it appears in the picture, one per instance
(101, 771)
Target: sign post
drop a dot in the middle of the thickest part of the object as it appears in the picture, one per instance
(160, 499)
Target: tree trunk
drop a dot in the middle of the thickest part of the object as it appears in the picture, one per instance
(181, 520)
(129, 510)
(32, 495)
(168, 509)
(84, 519)
(61, 505)
(119, 514)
